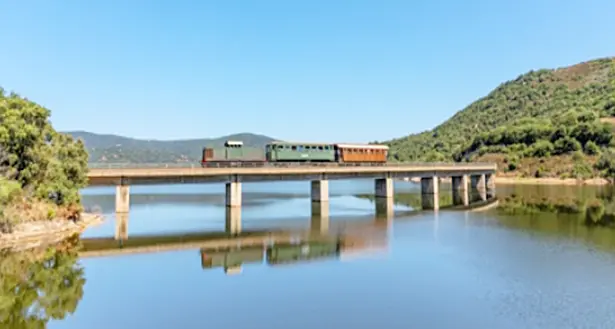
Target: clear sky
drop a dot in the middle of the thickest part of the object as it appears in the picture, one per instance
(317, 70)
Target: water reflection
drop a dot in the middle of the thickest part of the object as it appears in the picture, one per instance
(40, 285)
(449, 269)
(309, 249)
(586, 213)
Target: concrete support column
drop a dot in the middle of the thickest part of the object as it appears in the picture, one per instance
(430, 192)
(460, 190)
(233, 194)
(384, 208)
(320, 217)
(478, 187)
(320, 191)
(384, 188)
(490, 185)
(121, 226)
(122, 199)
(233, 220)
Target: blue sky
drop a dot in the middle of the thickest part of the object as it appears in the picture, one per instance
(339, 71)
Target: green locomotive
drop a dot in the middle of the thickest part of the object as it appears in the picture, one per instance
(234, 153)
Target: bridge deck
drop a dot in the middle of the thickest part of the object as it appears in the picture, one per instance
(118, 176)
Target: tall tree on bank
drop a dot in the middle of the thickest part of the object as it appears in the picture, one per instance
(48, 165)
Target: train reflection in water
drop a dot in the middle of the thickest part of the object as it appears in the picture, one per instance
(301, 251)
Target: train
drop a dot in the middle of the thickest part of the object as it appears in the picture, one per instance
(290, 253)
(235, 154)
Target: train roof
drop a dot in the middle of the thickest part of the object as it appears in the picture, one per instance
(344, 145)
(363, 146)
(299, 143)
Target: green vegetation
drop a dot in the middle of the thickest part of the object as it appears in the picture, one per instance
(104, 149)
(39, 286)
(41, 170)
(546, 123)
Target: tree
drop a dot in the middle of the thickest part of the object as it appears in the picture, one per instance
(46, 165)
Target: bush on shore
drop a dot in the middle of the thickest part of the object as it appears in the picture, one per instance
(41, 170)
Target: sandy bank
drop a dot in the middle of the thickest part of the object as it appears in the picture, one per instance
(549, 181)
(535, 181)
(37, 234)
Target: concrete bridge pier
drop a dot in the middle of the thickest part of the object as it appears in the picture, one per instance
(478, 187)
(121, 226)
(320, 206)
(384, 198)
(233, 220)
(460, 190)
(430, 192)
(320, 217)
(122, 199)
(384, 188)
(320, 190)
(233, 194)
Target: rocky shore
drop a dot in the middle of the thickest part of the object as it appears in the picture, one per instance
(38, 234)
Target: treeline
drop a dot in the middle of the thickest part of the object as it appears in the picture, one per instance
(41, 170)
(566, 133)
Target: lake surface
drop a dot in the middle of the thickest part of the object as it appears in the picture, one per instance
(451, 269)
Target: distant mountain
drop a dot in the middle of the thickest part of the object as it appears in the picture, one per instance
(105, 148)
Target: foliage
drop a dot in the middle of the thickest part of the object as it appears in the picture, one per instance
(540, 114)
(38, 287)
(118, 149)
(39, 166)
(606, 164)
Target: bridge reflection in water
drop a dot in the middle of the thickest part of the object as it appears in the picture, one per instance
(320, 219)
(230, 250)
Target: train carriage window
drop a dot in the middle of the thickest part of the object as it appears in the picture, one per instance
(294, 148)
(320, 148)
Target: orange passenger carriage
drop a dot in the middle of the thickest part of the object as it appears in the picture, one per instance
(361, 153)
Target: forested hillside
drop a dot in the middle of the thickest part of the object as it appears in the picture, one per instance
(119, 149)
(543, 123)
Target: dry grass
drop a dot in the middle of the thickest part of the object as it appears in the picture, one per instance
(25, 210)
(560, 166)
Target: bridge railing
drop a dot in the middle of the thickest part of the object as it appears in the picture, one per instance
(197, 165)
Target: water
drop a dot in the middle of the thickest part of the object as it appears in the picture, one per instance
(426, 270)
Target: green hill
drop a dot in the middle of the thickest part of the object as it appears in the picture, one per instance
(118, 149)
(550, 122)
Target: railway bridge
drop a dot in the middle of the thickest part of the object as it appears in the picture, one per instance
(468, 179)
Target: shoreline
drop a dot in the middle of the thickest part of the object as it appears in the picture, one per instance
(550, 181)
(507, 180)
(37, 234)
